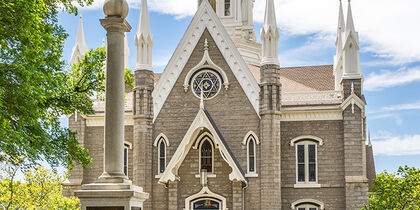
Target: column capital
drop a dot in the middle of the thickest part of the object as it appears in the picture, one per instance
(116, 24)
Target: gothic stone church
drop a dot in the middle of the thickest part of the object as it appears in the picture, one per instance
(225, 127)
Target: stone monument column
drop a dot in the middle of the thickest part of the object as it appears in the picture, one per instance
(113, 190)
(115, 26)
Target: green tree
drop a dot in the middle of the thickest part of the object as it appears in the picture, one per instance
(36, 89)
(40, 188)
(396, 191)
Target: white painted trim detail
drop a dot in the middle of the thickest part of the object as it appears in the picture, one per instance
(99, 120)
(163, 141)
(205, 18)
(307, 185)
(244, 142)
(155, 143)
(319, 140)
(205, 192)
(130, 145)
(201, 65)
(200, 122)
(311, 115)
(296, 203)
(352, 100)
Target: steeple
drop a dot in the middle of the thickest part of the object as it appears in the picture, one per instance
(270, 36)
(80, 47)
(352, 69)
(338, 59)
(144, 40)
(341, 27)
(370, 142)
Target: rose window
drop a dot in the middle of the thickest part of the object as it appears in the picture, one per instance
(206, 81)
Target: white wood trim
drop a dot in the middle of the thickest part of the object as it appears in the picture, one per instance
(352, 100)
(311, 115)
(130, 145)
(205, 192)
(296, 203)
(155, 143)
(205, 18)
(306, 162)
(245, 140)
(306, 185)
(315, 138)
(199, 123)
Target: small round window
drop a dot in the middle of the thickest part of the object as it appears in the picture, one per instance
(208, 81)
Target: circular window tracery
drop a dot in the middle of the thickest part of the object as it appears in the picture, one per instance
(208, 81)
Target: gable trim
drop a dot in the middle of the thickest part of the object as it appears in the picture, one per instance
(201, 121)
(205, 18)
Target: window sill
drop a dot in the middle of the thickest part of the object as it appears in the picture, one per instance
(158, 176)
(251, 175)
(307, 185)
(208, 176)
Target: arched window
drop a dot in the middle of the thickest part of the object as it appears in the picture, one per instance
(206, 156)
(227, 7)
(306, 148)
(307, 207)
(251, 154)
(161, 155)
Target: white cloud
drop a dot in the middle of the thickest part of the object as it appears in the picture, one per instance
(394, 146)
(402, 107)
(385, 78)
(398, 119)
(386, 27)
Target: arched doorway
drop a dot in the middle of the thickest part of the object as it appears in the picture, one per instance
(205, 199)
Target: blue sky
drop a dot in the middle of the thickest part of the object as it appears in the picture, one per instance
(390, 56)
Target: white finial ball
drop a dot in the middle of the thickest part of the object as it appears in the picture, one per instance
(117, 8)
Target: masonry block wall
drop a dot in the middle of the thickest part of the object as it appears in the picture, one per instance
(230, 109)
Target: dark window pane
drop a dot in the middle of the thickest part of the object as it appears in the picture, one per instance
(301, 208)
(227, 7)
(251, 164)
(301, 172)
(125, 161)
(206, 156)
(301, 153)
(312, 208)
(251, 147)
(162, 149)
(312, 172)
(161, 165)
(311, 153)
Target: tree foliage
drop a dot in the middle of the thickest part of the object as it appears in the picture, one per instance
(396, 191)
(40, 188)
(35, 87)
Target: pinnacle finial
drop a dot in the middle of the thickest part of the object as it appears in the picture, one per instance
(144, 40)
(270, 36)
(370, 142)
(80, 47)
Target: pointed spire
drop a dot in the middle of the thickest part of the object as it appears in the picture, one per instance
(144, 40)
(351, 59)
(350, 22)
(370, 142)
(270, 35)
(80, 47)
(341, 27)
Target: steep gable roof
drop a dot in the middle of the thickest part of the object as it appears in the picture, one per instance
(201, 121)
(205, 18)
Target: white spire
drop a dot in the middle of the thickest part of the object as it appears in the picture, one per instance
(351, 59)
(370, 142)
(126, 51)
(80, 47)
(341, 27)
(270, 36)
(144, 40)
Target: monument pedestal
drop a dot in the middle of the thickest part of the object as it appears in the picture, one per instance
(112, 195)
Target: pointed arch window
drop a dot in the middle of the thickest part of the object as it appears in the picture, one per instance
(161, 155)
(127, 146)
(251, 141)
(206, 156)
